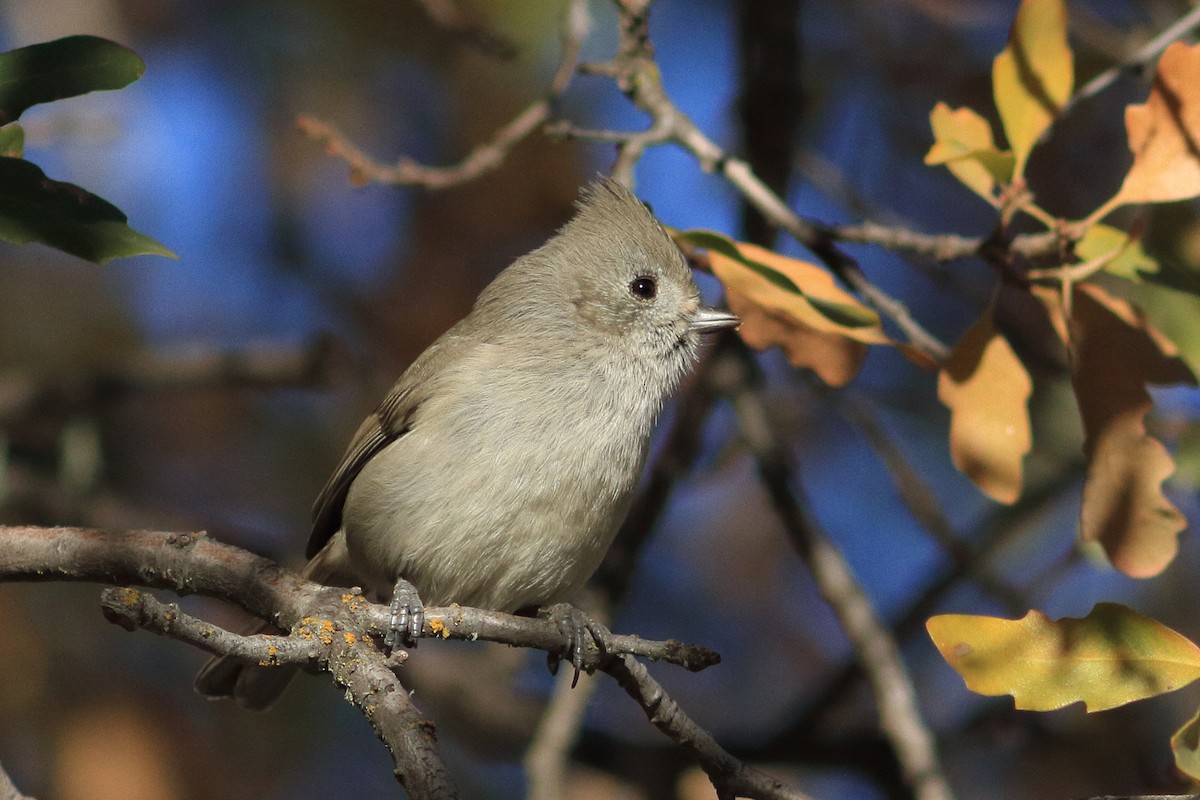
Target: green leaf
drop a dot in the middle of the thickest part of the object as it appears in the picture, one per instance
(1126, 256)
(34, 208)
(12, 141)
(1112, 656)
(963, 143)
(41, 73)
(1186, 746)
(844, 314)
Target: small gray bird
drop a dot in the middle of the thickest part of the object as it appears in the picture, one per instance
(497, 470)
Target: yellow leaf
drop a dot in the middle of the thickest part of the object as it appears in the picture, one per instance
(1163, 133)
(1033, 76)
(1111, 657)
(1126, 256)
(1186, 746)
(962, 140)
(986, 388)
(1115, 352)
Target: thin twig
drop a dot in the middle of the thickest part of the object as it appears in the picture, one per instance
(486, 156)
(557, 732)
(918, 497)
(1136, 62)
(730, 777)
(899, 717)
(637, 74)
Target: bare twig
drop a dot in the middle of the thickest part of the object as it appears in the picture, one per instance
(189, 563)
(637, 74)
(1135, 62)
(328, 639)
(485, 157)
(730, 777)
(557, 732)
(899, 718)
(272, 365)
(919, 497)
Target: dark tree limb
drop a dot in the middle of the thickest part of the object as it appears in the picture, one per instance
(895, 697)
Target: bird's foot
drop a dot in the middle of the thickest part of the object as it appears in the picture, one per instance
(408, 617)
(575, 626)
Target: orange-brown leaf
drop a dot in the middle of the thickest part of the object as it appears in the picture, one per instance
(986, 388)
(835, 357)
(1115, 353)
(1164, 133)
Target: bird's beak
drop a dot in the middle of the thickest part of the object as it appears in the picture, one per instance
(712, 320)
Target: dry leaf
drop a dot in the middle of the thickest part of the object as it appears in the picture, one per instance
(1033, 76)
(987, 388)
(835, 358)
(1115, 353)
(962, 140)
(1164, 134)
(1111, 657)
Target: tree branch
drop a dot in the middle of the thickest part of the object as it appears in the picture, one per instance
(486, 156)
(730, 777)
(330, 629)
(899, 717)
(636, 73)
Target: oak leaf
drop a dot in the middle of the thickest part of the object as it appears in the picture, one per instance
(962, 141)
(1033, 76)
(1164, 133)
(1111, 657)
(792, 304)
(987, 388)
(1115, 353)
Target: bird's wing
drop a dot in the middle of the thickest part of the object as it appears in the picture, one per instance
(393, 419)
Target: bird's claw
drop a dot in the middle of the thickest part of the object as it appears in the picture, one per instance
(408, 617)
(576, 626)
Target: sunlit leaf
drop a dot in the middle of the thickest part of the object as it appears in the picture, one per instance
(1115, 353)
(62, 68)
(962, 140)
(1123, 253)
(1111, 657)
(1033, 76)
(1163, 134)
(986, 388)
(812, 284)
(1185, 743)
(785, 302)
(34, 208)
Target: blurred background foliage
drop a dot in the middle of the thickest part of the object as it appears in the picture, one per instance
(281, 258)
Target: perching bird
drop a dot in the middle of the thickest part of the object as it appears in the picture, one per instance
(497, 470)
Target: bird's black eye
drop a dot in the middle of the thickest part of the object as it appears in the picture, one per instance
(645, 288)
